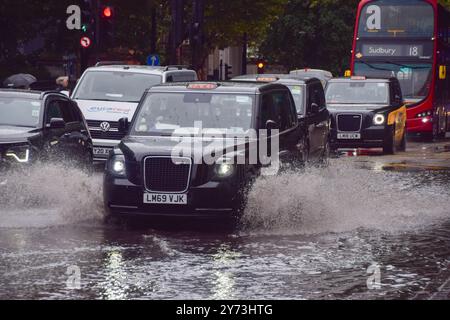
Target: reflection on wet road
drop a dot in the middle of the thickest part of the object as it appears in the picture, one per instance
(366, 227)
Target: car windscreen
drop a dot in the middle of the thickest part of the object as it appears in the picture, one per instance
(115, 86)
(19, 112)
(356, 92)
(168, 113)
(298, 93)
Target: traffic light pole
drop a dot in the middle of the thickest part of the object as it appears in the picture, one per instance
(244, 53)
(97, 28)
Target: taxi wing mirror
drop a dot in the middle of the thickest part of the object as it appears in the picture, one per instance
(442, 72)
(315, 108)
(123, 125)
(271, 125)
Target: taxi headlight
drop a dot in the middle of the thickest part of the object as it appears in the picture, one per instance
(224, 169)
(117, 165)
(20, 154)
(379, 119)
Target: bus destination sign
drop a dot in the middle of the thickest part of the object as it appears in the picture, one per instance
(392, 50)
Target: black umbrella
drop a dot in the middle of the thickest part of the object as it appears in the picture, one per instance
(20, 80)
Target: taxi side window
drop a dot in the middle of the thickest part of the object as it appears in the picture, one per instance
(284, 110)
(59, 109)
(53, 111)
(317, 96)
(395, 93)
(180, 77)
(266, 110)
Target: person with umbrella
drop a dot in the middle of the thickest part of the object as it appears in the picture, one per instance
(20, 81)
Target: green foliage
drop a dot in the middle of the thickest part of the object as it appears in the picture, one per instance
(445, 3)
(314, 34)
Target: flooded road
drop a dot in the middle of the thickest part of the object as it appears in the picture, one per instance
(367, 227)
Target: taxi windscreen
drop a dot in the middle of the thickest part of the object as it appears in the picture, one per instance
(166, 113)
(19, 112)
(357, 93)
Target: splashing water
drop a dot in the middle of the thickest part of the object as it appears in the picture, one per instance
(340, 198)
(49, 195)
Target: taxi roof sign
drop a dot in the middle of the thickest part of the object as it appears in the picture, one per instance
(202, 86)
(358, 78)
(267, 79)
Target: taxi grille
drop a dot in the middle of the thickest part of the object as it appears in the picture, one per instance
(349, 122)
(166, 174)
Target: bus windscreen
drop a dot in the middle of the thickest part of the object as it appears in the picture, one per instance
(396, 18)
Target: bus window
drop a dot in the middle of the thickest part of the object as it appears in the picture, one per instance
(396, 18)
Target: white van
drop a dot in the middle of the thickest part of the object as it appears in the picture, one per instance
(110, 92)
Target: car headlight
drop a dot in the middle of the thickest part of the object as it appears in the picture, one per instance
(20, 154)
(379, 119)
(224, 169)
(117, 165)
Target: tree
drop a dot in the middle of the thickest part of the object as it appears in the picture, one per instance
(445, 3)
(226, 23)
(315, 34)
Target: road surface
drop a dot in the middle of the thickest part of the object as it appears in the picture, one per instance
(366, 227)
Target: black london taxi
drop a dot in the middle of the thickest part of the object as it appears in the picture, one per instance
(192, 149)
(41, 126)
(312, 112)
(367, 113)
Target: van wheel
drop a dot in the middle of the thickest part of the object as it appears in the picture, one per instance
(389, 145)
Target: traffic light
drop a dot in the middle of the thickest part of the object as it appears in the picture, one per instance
(228, 72)
(261, 66)
(88, 24)
(107, 12)
(107, 21)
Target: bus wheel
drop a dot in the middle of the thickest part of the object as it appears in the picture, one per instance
(389, 144)
(442, 134)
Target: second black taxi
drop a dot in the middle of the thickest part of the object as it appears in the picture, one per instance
(367, 113)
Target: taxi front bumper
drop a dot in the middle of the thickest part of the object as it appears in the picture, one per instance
(210, 200)
(371, 137)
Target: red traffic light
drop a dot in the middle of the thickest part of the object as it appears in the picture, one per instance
(107, 12)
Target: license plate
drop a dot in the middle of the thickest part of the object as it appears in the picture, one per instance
(349, 136)
(101, 151)
(161, 198)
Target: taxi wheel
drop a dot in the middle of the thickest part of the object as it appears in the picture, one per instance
(389, 144)
(326, 154)
(305, 151)
(402, 146)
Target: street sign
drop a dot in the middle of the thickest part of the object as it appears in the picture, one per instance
(85, 42)
(153, 60)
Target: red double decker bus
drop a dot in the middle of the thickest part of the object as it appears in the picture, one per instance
(408, 39)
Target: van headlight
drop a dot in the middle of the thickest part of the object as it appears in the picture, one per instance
(379, 119)
(117, 165)
(20, 154)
